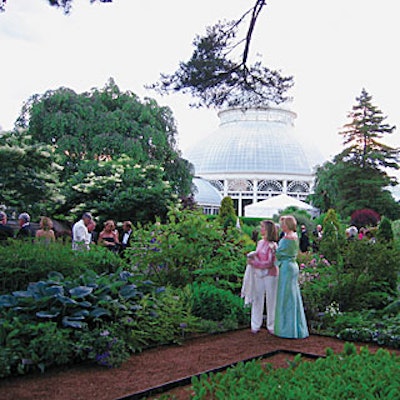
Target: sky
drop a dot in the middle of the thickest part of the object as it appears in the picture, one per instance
(333, 49)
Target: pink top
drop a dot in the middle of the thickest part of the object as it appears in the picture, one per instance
(265, 258)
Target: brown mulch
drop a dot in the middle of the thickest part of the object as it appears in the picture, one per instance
(160, 365)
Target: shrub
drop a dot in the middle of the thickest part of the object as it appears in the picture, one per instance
(227, 214)
(24, 262)
(189, 248)
(368, 276)
(60, 321)
(212, 303)
(332, 237)
(364, 217)
(385, 232)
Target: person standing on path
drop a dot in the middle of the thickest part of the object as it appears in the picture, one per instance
(264, 278)
(290, 319)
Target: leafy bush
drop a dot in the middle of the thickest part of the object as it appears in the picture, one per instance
(369, 326)
(189, 248)
(212, 303)
(338, 376)
(24, 262)
(366, 279)
(332, 237)
(227, 214)
(59, 321)
(365, 217)
(368, 276)
(385, 232)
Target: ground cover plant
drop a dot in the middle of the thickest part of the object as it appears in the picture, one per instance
(103, 318)
(338, 376)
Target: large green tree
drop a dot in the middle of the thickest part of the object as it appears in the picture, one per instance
(103, 124)
(362, 137)
(358, 177)
(119, 189)
(29, 174)
(118, 155)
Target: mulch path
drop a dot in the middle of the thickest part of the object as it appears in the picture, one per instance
(159, 365)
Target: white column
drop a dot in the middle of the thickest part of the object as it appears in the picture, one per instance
(284, 188)
(225, 187)
(255, 190)
(240, 204)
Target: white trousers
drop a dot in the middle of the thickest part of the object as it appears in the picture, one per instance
(265, 290)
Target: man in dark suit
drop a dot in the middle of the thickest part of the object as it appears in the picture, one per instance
(26, 231)
(126, 235)
(5, 230)
(304, 241)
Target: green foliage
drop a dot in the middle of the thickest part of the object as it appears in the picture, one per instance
(137, 193)
(212, 303)
(338, 376)
(216, 79)
(332, 238)
(358, 177)
(365, 279)
(24, 262)
(378, 327)
(189, 247)
(98, 138)
(368, 276)
(227, 214)
(30, 174)
(302, 217)
(102, 318)
(362, 135)
(385, 231)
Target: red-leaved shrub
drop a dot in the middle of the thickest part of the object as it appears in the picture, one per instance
(365, 217)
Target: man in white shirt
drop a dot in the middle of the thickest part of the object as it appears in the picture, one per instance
(80, 235)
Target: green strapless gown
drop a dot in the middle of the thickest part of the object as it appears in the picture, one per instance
(290, 320)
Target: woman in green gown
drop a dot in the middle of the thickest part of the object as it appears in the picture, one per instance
(290, 320)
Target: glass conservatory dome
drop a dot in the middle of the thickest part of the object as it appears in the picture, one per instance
(252, 141)
(253, 155)
(207, 196)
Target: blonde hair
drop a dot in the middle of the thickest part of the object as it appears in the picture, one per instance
(289, 221)
(46, 223)
(109, 222)
(271, 233)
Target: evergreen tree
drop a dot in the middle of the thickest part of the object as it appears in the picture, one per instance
(332, 237)
(362, 136)
(385, 231)
(217, 78)
(227, 214)
(358, 176)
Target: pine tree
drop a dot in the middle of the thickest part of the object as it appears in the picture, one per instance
(358, 177)
(363, 134)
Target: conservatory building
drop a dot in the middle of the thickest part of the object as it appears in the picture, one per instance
(253, 155)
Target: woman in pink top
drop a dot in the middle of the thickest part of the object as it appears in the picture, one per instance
(265, 277)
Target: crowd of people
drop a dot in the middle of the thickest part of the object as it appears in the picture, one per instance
(271, 277)
(83, 232)
(84, 235)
